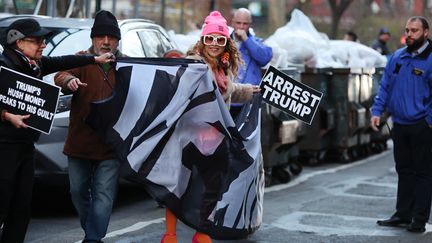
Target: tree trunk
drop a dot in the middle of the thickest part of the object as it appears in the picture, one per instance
(276, 14)
(224, 7)
(162, 16)
(338, 7)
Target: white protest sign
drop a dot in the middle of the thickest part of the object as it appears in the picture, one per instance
(289, 95)
(23, 94)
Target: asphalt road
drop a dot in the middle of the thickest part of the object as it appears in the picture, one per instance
(325, 203)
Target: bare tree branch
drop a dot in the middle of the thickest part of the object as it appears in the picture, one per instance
(338, 7)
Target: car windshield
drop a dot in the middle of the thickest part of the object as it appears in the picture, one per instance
(67, 42)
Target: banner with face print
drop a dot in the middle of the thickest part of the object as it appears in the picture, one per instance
(170, 126)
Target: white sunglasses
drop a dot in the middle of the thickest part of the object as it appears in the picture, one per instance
(215, 40)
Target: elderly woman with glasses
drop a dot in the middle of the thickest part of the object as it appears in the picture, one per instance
(23, 53)
(218, 51)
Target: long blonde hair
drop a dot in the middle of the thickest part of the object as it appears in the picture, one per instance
(215, 63)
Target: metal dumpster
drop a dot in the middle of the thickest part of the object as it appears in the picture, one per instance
(350, 121)
(365, 99)
(378, 140)
(279, 137)
(317, 138)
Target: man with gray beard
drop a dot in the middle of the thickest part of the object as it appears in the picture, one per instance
(93, 167)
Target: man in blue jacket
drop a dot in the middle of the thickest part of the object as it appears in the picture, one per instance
(253, 52)
(406, 92)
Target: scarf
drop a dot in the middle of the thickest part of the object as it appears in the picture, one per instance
(221, 80)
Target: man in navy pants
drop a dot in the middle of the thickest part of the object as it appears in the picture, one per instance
(406, 92)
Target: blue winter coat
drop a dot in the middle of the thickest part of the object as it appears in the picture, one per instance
(406, 87)
(255, 55)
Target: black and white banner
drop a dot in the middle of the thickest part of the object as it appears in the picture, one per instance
(22, 94)
(169, 122)
(289, 95)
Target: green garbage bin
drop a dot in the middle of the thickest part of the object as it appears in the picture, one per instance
(378, 140)
(343, 95)
(316, 140)
(280, 134)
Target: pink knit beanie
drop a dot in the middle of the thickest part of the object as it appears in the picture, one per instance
(215, 23)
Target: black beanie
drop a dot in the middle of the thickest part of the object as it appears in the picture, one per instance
(105, 23)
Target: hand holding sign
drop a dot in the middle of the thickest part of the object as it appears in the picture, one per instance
(256, 89)
(16, 120)
(29, 102)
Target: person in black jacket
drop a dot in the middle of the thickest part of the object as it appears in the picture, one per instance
(380, 44)
(23, 53)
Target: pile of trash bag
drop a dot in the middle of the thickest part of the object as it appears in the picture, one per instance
(299, 43)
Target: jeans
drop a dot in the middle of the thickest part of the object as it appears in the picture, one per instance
(93, 186)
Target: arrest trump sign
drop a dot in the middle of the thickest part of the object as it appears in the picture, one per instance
(289, 95)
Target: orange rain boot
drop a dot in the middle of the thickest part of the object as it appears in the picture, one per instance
(171, 223)
(201, 238)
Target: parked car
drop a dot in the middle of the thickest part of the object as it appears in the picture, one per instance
(140, 38)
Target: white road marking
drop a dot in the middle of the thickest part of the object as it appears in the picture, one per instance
(302, 178)
(135, 227)
(295, 222)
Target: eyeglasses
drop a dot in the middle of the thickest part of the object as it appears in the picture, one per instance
(37, 41)
(214, 40)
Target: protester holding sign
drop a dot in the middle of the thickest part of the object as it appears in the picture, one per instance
(93, 166)
(217, 49)
(23, 53)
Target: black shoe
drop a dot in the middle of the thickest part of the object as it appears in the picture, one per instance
(394, 221)
(416, 227)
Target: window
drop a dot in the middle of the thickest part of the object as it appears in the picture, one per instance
(131, 45)
(68, 42)
(153, 44)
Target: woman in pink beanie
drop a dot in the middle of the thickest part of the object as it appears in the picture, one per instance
(218, 51)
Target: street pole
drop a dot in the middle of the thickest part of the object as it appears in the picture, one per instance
(114, 6)
(52, 7)
(182, 17)
(87, 8)
(15, 7)
(162, 17)
(136, 9)
(98, 5)
(212, 5)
